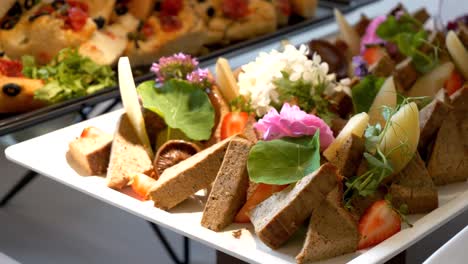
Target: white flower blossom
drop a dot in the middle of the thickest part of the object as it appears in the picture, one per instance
(256, 80)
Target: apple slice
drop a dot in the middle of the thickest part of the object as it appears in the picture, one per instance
(131, 104)
(458, 53)
(400, 140)
(430, 83)
(387, 96)
(225, 80)
(356, 125)
(349, 35)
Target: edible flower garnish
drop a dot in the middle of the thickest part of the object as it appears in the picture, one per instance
(371, 37)
(177, 66)
(293, 122)
(200, 77)
(360, 66)
(289, 75)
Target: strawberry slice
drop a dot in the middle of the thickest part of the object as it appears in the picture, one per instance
(453, 83)
(90, 132)
(378, 223)
(260, 194)
(373, 54)
(233, 123)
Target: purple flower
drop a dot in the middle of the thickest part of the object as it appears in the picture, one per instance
(175, 66)
(360, 66)
(293, 122)
(200, 76)
(370, 37)
(399, 14)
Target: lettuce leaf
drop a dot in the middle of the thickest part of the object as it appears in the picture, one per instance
(68, 75)
(284, 161)
(182, 105)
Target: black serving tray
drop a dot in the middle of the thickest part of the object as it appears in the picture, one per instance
(10, 123)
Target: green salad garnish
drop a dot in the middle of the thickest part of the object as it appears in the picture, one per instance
(364, 93)
(409, 35)
(68, 75)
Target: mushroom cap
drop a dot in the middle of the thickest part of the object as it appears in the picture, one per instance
(173, 152)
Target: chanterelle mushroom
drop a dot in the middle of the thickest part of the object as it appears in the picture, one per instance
(173, 152)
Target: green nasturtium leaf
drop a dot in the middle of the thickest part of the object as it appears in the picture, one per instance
(284, 161)
(182, 106)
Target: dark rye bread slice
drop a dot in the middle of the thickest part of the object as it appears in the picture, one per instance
(332, 231)
(448, 162)
(413, 186)
(92, 153)
(187, 177)
(128, 156)
(349, 156)
(277, 218)
(229, 190)
(430, 120)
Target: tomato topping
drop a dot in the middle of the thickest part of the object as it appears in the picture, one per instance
(373, 54)
(171, 7)
(90, 132)
(260, 194)
(284, 7)
(76, 18)
(233, 123)
(81, 5)
(170, 23)
(147, 30)
(453, 83)
(235, 9)
(142, 184)
(11, 68)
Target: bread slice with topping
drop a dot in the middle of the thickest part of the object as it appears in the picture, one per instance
(229, 190)
(277, 218)
(128, 156)
(332, 231)
(180, 181)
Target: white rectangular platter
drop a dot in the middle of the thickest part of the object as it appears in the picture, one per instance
(47, 155)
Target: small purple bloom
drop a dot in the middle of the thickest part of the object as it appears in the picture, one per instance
(360, 66)
(200, 77)
(399, 14)
(175, 66)
(293, 122)
(370, 37)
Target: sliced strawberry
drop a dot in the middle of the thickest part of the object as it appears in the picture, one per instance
(233, 123)
(378, 223)
(373, 54)
(260, 194)
(90, 132)
(142, 184)
(453, 83)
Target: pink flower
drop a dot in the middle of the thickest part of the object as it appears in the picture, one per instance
(293, 122)
(175, 66)
(370, 37)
